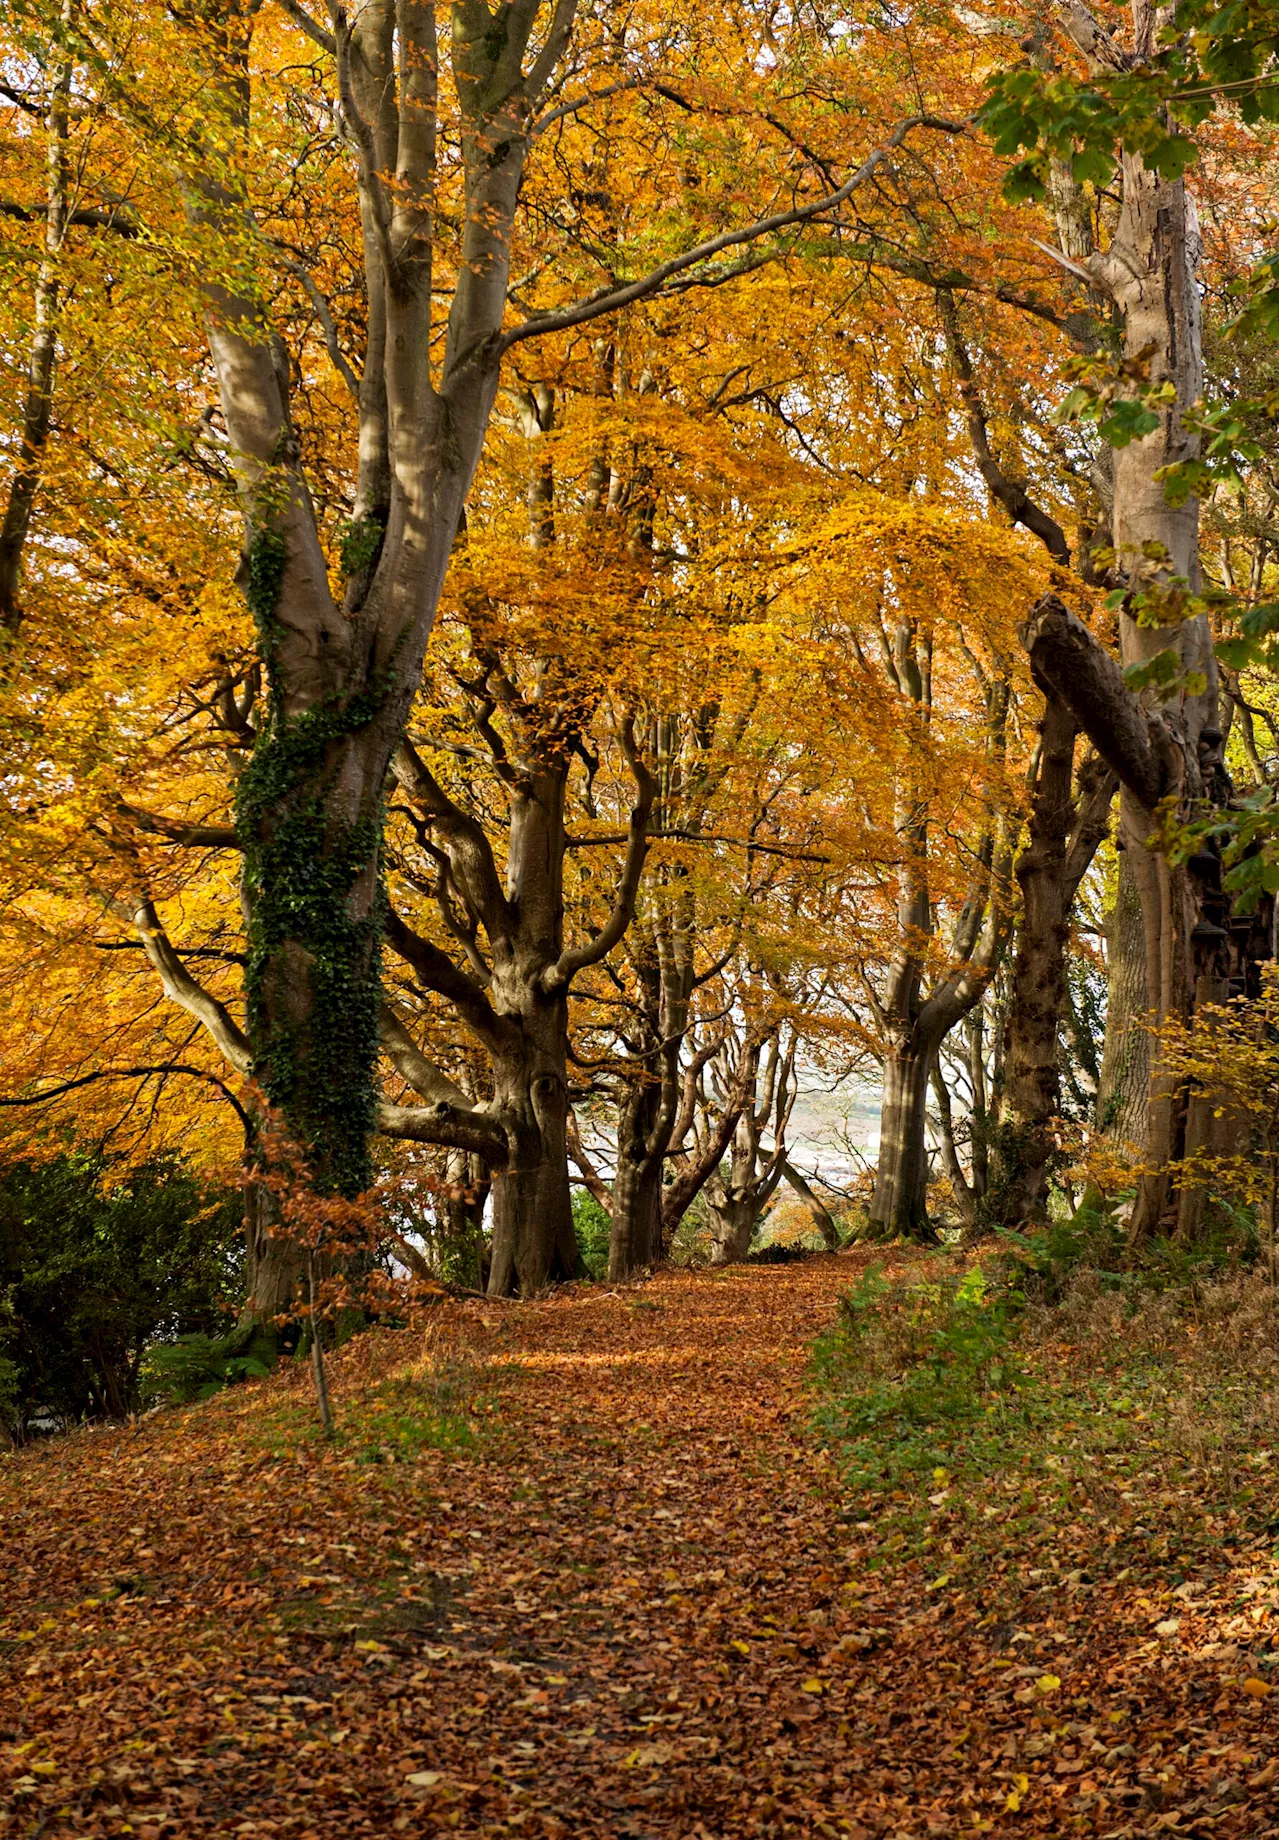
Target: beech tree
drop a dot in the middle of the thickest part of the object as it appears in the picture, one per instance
(1166, 751)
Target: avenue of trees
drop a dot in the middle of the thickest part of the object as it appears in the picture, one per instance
(571, 572)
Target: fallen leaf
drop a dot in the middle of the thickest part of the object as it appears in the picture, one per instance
(1013, 1801)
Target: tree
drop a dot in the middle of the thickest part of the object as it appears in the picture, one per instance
(96, 1265)
(1146, 270)
(322, 709)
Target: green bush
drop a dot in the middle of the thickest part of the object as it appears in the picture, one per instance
(592, 1227)
(93, 1271)
(1055, 1386)
(197, 1366)
(1045, 1260)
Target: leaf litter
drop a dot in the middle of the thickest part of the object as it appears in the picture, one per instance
(622, 1594)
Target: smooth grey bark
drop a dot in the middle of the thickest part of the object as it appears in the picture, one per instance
(899, 1207)
(818, 1209)
(1124, 1077)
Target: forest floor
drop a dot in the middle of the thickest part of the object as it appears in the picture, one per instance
(578, 1567)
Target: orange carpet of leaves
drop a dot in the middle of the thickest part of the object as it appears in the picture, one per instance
(624, 1613)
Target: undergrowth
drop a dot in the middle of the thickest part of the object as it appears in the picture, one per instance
(1059, 1397)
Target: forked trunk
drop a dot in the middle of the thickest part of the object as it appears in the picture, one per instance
(899, 1206)
(733, 1218)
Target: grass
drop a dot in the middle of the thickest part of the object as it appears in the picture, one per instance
(1052, 1414)
(440, 1401)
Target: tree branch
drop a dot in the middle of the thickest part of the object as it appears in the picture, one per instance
(312, 27)
(591, 1178)
(1008, 492)
(426, 1079)
(609, 300)
(439, 973)
(1065, 655)
(557, 976)
(132, 1073)
(422, 1124)
(175, 830)
(179, 985)
(89, 217)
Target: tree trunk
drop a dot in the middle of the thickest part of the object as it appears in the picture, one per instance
(734, 1217)
(821, 1213)
(276, 1262)
(1123, 1078)
(636, 1237)
(1039, 977)
(533, 1241)
(899, 1206)
(1151, 271)
(37, 407)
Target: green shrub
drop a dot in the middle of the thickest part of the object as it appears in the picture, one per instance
(1045, 1260)
(93, 1270)
(592, 1227)
(198, 1366)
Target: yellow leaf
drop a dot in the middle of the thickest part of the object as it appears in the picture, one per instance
(369, 1648)
(743, 1648)
(648, 1754)
(1255, 1688)
(424, 1779)
(556, 1680)
(1013, 1801)
(813, 1686)
(43, 1769)
(1048, 1683)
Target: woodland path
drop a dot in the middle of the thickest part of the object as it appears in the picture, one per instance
(624, 1612)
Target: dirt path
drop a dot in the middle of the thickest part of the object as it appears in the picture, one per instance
(625, 1612)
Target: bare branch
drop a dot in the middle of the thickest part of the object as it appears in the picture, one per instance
(426, 1079)
(556, 976)
(337, 356)
(89, 217)
(609, 300)
(424, 1125)
(131, 1073)
(439, 973)
(1067, 657)
(179, 985)
(176, 830)
(1009, 492)
(312, 27)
